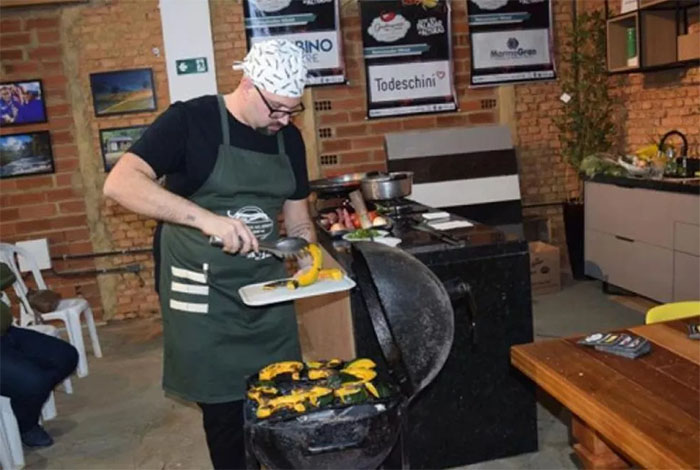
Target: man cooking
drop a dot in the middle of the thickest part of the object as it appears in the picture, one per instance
(232, 163)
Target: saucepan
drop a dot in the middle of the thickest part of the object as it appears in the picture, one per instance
(387, 186)
(341, 185)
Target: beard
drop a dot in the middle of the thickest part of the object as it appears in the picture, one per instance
(269, 130)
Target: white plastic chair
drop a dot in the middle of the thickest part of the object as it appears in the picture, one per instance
(11, 453)
(68, 310)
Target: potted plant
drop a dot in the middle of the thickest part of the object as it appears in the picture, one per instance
(586, 125)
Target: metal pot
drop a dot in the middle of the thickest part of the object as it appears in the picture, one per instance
(384, 187)
(338, 186)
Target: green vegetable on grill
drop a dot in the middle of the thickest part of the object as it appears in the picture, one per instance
(362, 233)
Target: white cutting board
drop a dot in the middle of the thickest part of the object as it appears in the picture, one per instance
(254, 295)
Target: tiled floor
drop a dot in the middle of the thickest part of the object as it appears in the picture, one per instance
(118, 417)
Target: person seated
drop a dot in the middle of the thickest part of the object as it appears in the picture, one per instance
(31, 365)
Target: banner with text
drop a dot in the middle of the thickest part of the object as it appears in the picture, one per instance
(312, 25)
(511, 41)
(408, 57)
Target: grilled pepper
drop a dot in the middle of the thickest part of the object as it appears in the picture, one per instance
(320, 396)
(351, 394)
(362, 375)
(271, 371)
(316, 374)
(361, 363)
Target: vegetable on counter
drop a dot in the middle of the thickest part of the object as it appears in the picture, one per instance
(362, 233)
(345, 219)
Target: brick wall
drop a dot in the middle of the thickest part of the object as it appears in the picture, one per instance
(116, 35)
(655, 103)
(62, 45)
(51, 206)
(352, 143)
(545, 180)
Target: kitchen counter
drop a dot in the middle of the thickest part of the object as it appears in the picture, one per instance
(647, 183)
(645, 239)
(479, 407)
(477, 241)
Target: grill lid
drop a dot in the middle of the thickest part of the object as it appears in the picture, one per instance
(410, 310)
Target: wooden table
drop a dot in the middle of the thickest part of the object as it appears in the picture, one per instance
(645, 410)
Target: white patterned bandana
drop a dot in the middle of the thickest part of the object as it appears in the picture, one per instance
(277, 66)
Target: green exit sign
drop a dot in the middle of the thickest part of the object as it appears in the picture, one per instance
(195, 65)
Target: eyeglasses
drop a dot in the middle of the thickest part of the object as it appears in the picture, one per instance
(280, 113)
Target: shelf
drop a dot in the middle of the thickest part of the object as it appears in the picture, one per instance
(658, 25)
(659, 38)
(31, 3)
(670, 4)
(622, 16)
(655, 5)
(617, 41)
(675, 65)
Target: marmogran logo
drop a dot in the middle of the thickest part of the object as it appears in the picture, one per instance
(514, 51)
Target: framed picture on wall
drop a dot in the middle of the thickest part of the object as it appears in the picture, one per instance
(22, 102)
(123, 92)
(25, 154)
(114, 142)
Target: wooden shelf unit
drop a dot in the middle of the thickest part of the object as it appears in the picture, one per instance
(646, 4)
(658, 37)
(658, 24)
(617, 41)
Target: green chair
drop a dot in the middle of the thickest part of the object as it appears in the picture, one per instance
(673, 311)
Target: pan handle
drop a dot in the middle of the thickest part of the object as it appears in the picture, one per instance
(335, 447)
(460, 292)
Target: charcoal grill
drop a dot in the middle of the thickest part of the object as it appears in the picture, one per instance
(413, 320)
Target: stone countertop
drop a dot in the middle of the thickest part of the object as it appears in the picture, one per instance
(646, 183)
(477, 241)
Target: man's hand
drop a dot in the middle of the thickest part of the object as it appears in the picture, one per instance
(235, 234)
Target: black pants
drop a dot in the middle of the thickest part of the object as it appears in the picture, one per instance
(223, 426)
(31, 365)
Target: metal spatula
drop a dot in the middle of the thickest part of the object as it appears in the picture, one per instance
(282, 248)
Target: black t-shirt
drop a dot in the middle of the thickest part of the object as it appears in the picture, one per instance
(183, 144)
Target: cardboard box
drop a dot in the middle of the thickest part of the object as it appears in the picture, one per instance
(545, 276)
(689, 46)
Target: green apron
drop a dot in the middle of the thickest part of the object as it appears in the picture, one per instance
(212, 340)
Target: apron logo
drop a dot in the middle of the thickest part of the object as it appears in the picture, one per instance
(259, 223)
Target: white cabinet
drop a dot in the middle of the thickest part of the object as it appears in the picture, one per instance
(686, 276)
(643, 240)
(686, 238)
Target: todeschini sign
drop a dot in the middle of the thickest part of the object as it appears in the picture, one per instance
(408, 57)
